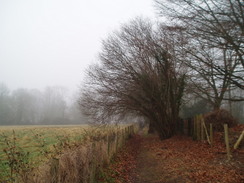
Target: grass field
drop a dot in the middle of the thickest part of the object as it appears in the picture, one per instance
(23, 148)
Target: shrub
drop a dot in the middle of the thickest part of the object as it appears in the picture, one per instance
(218, 118)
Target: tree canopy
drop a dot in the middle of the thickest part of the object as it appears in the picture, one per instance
(136, 76)
(147, 69)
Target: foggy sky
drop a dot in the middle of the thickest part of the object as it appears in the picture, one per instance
(51, 42)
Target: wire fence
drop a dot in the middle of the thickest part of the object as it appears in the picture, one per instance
(23, 151)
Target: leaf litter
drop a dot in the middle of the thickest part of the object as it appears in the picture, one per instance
(147, 159)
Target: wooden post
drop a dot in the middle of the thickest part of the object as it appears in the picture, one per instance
(206, 131)
(117, 140)
(189, 126)
(202, 129)
(198, 128)
(211, 134)
(239, 140)
(194, 128)
(128, 132)
(54, 170)
(227, 141)
(125, 133)
(182, 125)
(123, 136)
(108, 145)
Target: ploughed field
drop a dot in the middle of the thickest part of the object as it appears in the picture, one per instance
(23, 148)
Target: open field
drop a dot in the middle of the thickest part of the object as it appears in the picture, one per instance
(23, 148)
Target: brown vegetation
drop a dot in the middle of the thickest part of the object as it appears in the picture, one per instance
(82, 163)
(218, 118)
(178, 159)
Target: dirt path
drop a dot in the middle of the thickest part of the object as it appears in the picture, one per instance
(147, 171)
(146, 159)
(149, 167)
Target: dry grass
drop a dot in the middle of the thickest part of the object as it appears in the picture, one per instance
(57, 152)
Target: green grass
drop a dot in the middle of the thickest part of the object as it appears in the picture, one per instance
(35, 145)
(23, 148)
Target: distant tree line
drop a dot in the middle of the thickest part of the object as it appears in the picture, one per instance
(27, 107)
(190, 62)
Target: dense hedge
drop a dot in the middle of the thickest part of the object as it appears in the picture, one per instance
(218, 118)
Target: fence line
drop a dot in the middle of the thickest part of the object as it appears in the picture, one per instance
(86, 160)
(197, 129)
(95, 148)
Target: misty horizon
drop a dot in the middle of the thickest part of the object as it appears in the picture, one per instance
(51, 43)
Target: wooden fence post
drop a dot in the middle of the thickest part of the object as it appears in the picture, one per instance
(182, 125)
(189, 126)
(117, 141)
(211, 134)
(239, 140)
(54, 170)
(206, 131)
(195, 128)
(108, 146)
(198, 128)
(202, 128)
(123, 136)
(227, 141)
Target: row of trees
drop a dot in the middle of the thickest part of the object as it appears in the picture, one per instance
(214, 53)
(24, 106)
(137, 76)
(152, 70)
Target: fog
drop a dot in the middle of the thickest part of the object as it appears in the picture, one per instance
(48, 43)
(32, 106)
(45, 48)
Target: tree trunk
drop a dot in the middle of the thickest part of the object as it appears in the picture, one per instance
(166, 130)
(166, 133)
(151, 129)
(216, 106)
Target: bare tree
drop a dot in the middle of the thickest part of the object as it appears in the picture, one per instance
(5, 107)
(219, 24)
(54, 105)
(22, 106)
(137, 75)
(206, 81)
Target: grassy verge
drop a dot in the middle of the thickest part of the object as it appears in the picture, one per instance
(23, 149)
